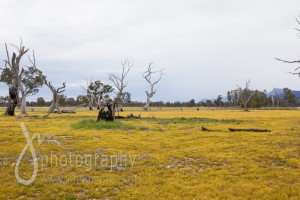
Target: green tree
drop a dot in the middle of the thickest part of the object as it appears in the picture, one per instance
(40, 101)
(126, 98)
(218, 102)
(289, 97)
(192, 103)
(24, 80)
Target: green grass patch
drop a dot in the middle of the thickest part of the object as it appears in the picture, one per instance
(182, 120)
(92, 124)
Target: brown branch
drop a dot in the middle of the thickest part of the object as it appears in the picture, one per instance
(118, 80)
(7, 54)
(248, 129)
(296, 61)
(59, 90)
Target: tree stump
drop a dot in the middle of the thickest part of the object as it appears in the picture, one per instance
(108, 115)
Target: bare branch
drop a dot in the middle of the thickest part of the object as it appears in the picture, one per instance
(296, 61)
(7, 54)
(60, 89)
(298, 21)
(19, 49)
(32, 61)
(118, 80)
(295, 73)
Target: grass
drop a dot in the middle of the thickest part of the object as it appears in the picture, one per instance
(194, 120)
(173, 158)
(92, 124)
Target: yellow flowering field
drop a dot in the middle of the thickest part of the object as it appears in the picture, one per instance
(163, 155)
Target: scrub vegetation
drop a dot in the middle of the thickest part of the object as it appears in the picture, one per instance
(164, 155)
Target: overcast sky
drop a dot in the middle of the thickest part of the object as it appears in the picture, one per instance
(206, 46)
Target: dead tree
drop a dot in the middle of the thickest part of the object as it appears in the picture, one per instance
(119, 82)
(148, 77)
(248, 129)
(73, 110)
(297, 70)
(55, 93)
(12, 66)
(245, 94)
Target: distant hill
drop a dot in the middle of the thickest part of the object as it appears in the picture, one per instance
(279, 92)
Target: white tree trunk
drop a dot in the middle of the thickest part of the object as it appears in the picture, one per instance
(23, 105)
(147, 106)
(149, 96)
(51, 108)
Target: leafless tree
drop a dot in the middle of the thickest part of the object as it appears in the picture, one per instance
(148, 77)
(119, 82)
(297, 70)
(245, 94)
(55, 96)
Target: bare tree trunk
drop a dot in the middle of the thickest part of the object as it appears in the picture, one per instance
(90, 105)
(245, 107)
(57, 105)
(53, 103)
(147, 106)
(55, 93)
(23, 105)
(51, 108)
(149, 96)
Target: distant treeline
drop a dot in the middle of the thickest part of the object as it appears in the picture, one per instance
(259, 99)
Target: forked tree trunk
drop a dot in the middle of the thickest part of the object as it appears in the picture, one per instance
(55, 93)
(149, 96)
(54, 104)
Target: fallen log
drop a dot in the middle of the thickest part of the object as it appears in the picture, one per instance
(131, 116)
(72, 110)
(203, 128)
(248, 129)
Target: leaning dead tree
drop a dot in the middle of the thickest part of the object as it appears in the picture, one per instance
(148, 77)
(245, 94)
(119, 82)
(297, 70)
(12, 67)
(55, 96)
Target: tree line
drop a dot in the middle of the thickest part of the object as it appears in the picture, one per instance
(24, 81)
(259, 99)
